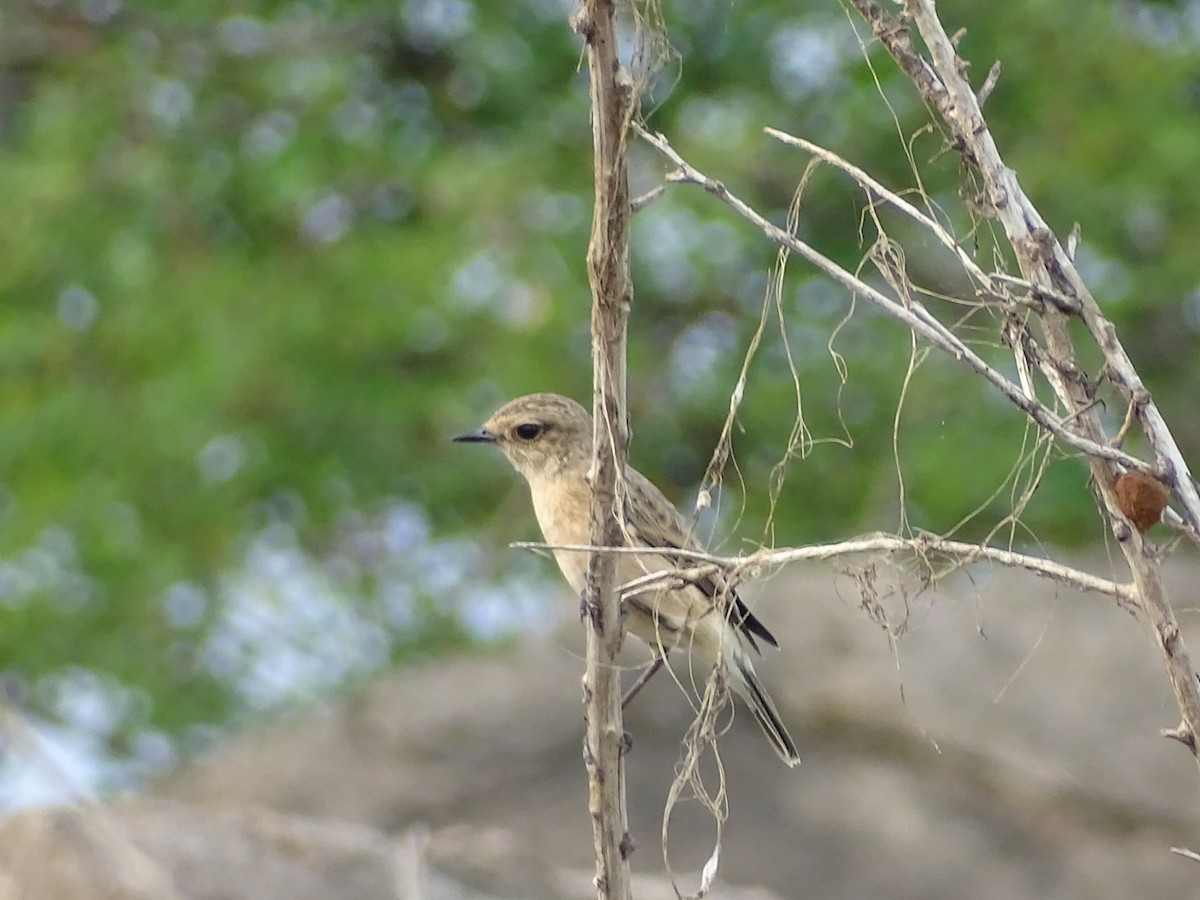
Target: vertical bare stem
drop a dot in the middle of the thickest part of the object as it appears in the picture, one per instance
(612, 295)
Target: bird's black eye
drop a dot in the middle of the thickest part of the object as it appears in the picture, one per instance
(527, 431)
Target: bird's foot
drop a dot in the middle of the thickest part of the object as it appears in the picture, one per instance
(651, 671)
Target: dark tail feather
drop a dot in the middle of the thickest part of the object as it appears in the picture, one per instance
(765, 713)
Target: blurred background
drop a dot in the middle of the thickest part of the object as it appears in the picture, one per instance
(261, 260)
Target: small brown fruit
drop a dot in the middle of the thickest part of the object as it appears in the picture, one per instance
(1142, 499)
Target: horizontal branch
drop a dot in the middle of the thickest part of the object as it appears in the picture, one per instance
(911, 312)
(925, 544)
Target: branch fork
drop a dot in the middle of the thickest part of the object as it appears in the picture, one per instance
(1055, 293)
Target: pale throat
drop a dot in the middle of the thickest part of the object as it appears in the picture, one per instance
(562, 503)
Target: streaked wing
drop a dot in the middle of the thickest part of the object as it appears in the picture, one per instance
(655, 522)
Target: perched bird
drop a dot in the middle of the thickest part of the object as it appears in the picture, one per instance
(548, 440)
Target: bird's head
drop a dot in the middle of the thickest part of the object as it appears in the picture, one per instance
(541, 434)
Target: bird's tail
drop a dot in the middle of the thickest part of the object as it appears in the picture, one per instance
(746, 684)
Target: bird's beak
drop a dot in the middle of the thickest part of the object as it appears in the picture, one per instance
(482, 436)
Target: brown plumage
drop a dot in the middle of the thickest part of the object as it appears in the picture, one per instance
(548, 440)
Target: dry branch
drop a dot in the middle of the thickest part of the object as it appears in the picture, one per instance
(1186, 853)
(1053, 292)
(907, 309)
(612, 295)
(1045, 263)
(925, 546)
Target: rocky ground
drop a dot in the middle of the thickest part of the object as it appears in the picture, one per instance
(994, 738)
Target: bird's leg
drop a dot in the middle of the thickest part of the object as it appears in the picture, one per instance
(655, 665)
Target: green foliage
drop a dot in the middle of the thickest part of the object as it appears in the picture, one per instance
(262, 260)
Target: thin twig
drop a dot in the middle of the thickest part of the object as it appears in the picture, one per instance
(1185, 852)
(989, 83)
(875, 187)
(911, 313)
(924, 545)
(941, 81)
(637, 204)
(1035, 245)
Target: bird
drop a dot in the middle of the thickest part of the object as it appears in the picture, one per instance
(548, 440)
